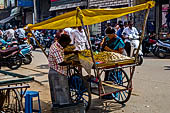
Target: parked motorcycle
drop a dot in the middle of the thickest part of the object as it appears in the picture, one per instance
(26, 51)
(149, 45)
(40, 39)
(134, 45)
(96, 42)
(49, 40)
(11, 58)
(162, 49)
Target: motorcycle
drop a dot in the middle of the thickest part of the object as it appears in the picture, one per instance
(49, 40)
(26, 51)
(134, 45)
(11, 58)
(40, 39)
(149, 45)
(96, 43)
(162, 49)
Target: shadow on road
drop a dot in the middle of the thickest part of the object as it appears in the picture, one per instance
(34, 70)
(38, 50)
(167, 67)
(44, 66)
(45, 107)
(37, 75)
(105, 106)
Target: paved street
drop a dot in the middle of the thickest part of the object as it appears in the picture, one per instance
(151, 85)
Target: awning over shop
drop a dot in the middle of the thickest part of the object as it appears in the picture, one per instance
(70, 5)
(3, 21)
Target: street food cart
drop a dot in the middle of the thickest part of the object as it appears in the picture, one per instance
(12, 89)
(120, 85)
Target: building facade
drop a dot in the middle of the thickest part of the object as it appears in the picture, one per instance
(62, 6)
(100, 27)
(156, 19)
(31, 11)
(9, 13)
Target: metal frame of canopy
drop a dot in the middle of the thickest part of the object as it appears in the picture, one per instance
(80, 15)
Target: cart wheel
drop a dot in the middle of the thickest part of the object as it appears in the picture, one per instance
(12, 103)
(80, 90)
(119, 77)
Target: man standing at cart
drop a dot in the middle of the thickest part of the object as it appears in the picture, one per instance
(57, 74)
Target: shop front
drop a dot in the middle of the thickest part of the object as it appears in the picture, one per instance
(27, 11)
(62, 6)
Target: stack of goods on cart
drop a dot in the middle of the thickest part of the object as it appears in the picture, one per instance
(108, 58)
(102, 58)
(70, 56)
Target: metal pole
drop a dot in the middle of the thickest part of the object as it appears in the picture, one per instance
(90, 47)
(143, 32)
(88, 38)
(35, 12)
(38, 43)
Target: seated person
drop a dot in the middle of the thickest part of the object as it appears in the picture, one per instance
(112, 42)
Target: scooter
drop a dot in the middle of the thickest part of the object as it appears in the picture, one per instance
(163, 49)
(26, 51)
(134, 45)
(149, 45)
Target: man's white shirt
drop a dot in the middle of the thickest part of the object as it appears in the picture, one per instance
(79, 39)
(127, 31)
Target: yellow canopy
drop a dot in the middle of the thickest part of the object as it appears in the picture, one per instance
(89, 16)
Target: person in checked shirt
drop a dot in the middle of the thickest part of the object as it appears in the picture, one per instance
(57, 74)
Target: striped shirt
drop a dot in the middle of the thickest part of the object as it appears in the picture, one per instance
(56, 56)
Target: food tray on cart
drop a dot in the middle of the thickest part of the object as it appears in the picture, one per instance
(9, 78)
(107, 59)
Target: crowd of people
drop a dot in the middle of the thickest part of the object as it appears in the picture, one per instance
(12, 33)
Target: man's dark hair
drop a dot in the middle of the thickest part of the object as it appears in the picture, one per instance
(64, 38)
(130, 22)
(121, 25)
(120, 22)
(125, 23)
(169, 10)
(110, 30)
